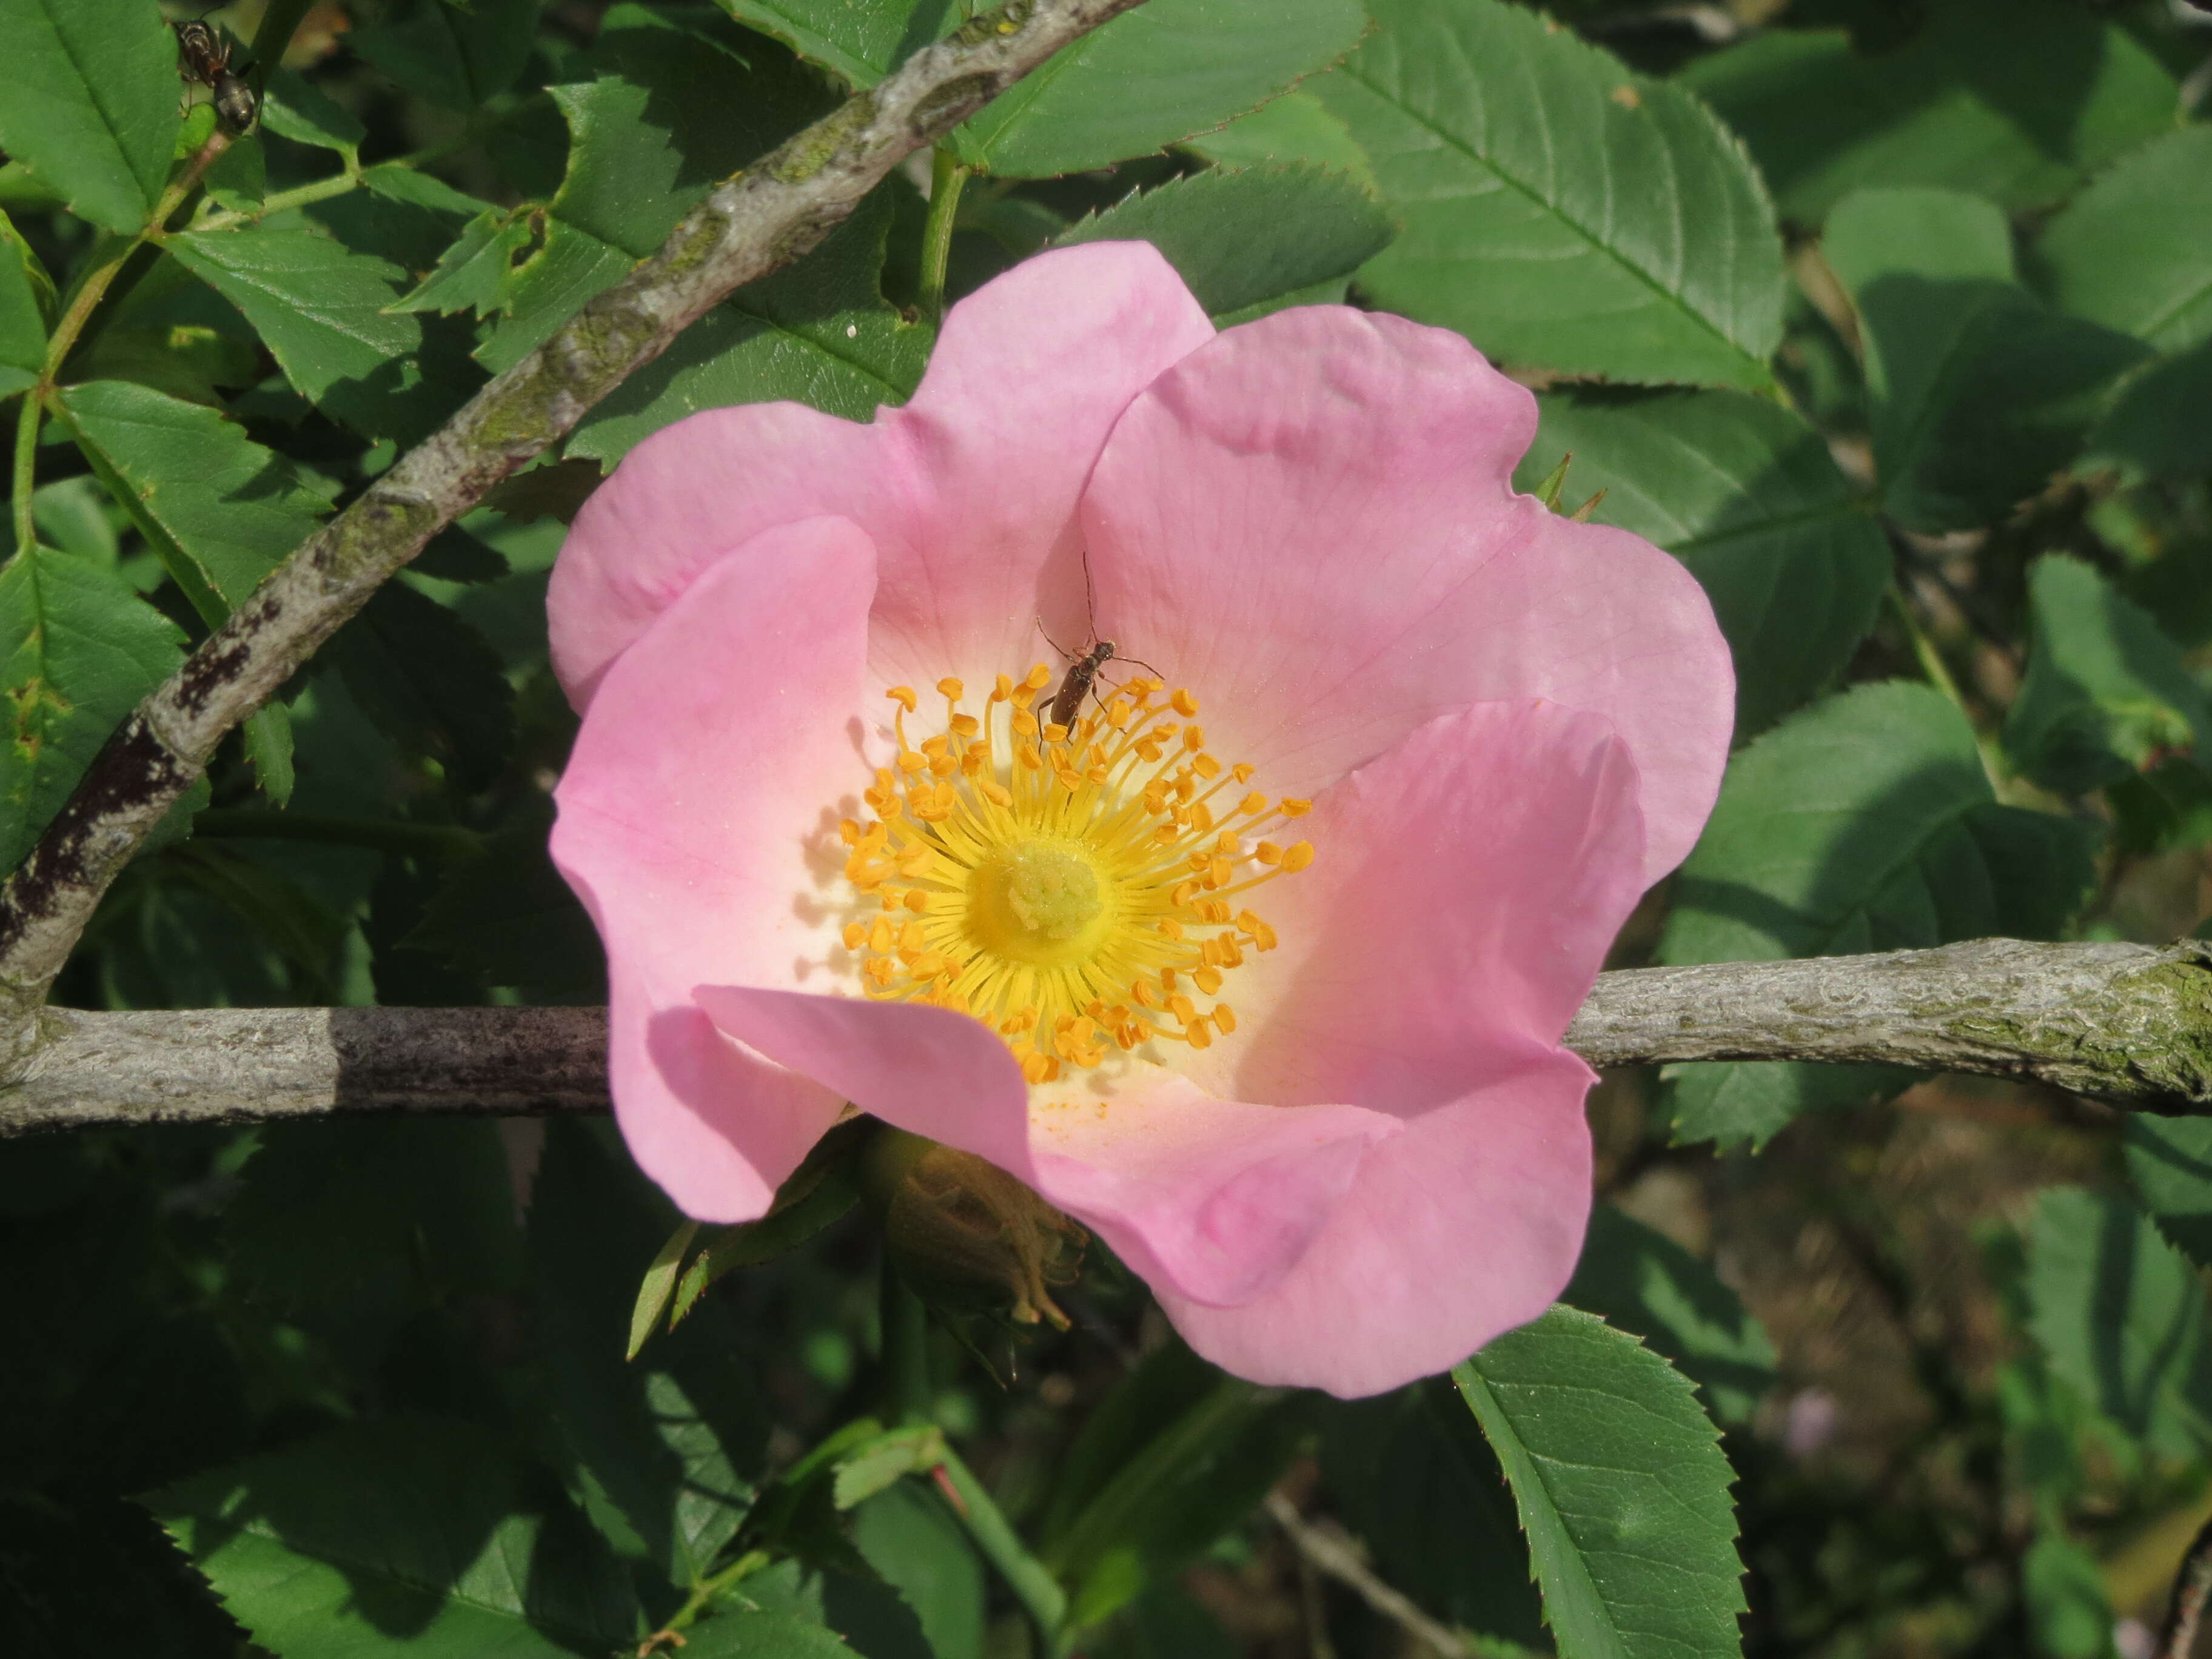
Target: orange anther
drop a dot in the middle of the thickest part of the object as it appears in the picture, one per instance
(903, 696)
(952, 688)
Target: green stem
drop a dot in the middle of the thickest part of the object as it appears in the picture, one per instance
(1923, 649)
(334, 829)
(94, 289)
(321, 190)
(907, 1394)
(946, 179)
(713, 1585)
(27, 463)
(1032, 1583)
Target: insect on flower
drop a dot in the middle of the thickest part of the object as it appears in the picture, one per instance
(204, 59)
(1083, 667)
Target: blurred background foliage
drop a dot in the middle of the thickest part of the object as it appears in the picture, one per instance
(1892, 318)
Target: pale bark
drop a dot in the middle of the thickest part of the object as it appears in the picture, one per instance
(2123, 1022)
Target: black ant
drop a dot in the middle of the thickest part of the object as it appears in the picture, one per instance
(1083, 668)
(204, 59)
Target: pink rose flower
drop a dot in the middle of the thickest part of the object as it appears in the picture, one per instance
(1260, 969)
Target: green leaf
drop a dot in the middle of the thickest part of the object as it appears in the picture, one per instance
(1979, 392)
(429, 681)
(1642, 1282)
(879, 1462)
(668, 1450)
(747, 1635)
(658, 1285)
(507, 918)
(907, 1535)
(2107, 694)
(819, 1191)
(566, 271)
(860, 43)
(1246, 241)
(26, 296)
(2171, 1160)
(239, 178)
(2154, 426)
(185, 360)
(458, 57)
(1415, 1479)
(2119, 1315)
(222, 511)
(2134, 250)
(1296, 127)
(1747, 496)
(77, 516)
(294, 107)
(2069, 1612)
(817, 331)
(2014, 100)
(83, 649)
(1621, 1485)
(671, 114)
(268, 736)
(472, 274)
(1864, 823)
(394, 1210)
(1153, 77)
(1174, 1458)
(871, 1617)
(406, 1538)
(92, 103)
(321, 308)
(1560, 211)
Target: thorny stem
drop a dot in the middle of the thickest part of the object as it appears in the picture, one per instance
(1031, 1582)
(947, 178)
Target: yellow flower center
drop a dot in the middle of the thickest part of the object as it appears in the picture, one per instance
(1073, 887)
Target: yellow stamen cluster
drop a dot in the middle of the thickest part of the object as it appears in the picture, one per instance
(1072, 888)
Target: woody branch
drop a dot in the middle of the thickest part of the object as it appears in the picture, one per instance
(2127, 1023)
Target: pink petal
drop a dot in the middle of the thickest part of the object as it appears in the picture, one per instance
(969, 491)
(1464, 1226)
(1310, 522)
(697, 822)
(1212, 1200)
(1467, 887)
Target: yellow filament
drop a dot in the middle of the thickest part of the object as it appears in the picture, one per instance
(1063, 884)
